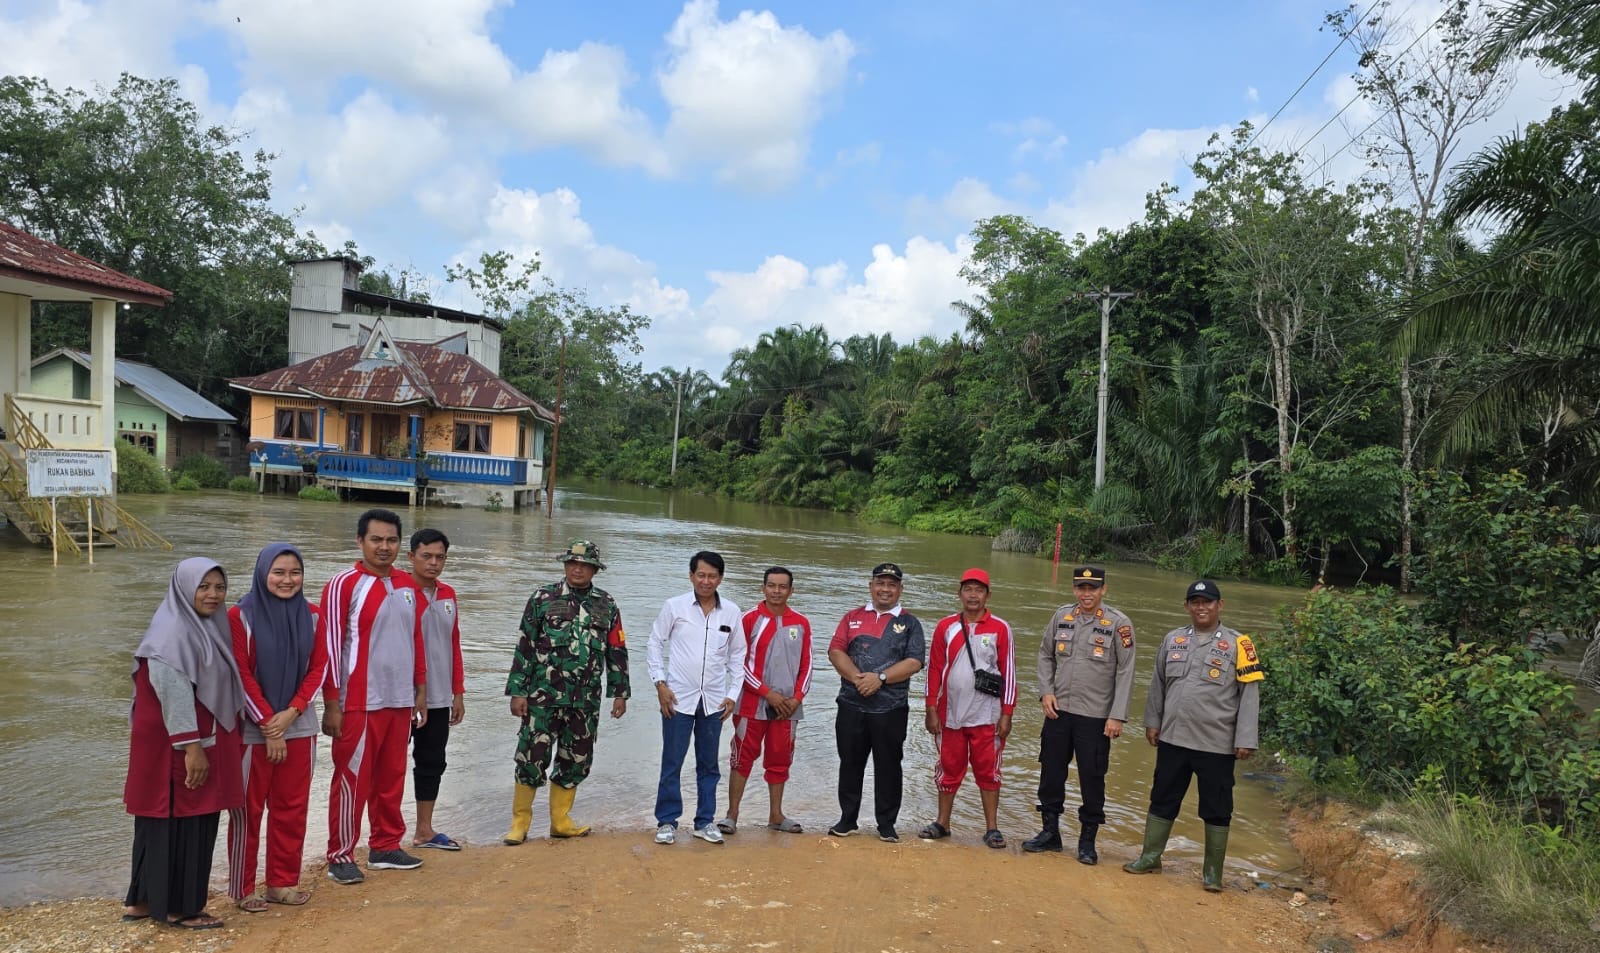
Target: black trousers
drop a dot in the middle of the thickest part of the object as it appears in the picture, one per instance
(1213, 773)
(427, 754)
(1062, 739)
(172, 864)
(881, 735)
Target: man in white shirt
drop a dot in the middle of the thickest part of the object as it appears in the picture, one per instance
(696, 659)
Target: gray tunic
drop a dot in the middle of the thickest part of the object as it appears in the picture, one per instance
(1087, 662)
(1201, 696)
(439, 645)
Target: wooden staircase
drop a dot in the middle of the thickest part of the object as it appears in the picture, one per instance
(70, 526)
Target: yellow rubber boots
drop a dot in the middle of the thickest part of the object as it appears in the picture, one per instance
(561, 810)
(522, 814)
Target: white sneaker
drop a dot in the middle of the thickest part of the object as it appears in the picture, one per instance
(709, 834)
(666, 834)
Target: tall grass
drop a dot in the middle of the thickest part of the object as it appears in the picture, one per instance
(1526, 884)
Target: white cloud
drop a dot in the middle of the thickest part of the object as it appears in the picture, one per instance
(967, 201)
(1252, 95)
(907, 294)
(575, 97)
(77, 44)
(1109, 191)
(745, 93)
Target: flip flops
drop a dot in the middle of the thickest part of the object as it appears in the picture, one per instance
(134, 917)
(933, 831)
(439, 842)
(196, 921)
(785, 826)
(995, 839)
(728, 826)
(252, 904)
(288, 896)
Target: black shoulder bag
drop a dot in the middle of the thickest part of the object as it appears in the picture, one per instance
(983, 680)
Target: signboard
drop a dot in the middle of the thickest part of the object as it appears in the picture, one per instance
(53, 473)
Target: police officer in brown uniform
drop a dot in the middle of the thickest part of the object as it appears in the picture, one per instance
(1085, 682)
(1201, 717)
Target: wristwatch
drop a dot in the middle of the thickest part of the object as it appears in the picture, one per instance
(882, 678)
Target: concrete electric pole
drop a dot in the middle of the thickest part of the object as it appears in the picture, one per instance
(1107, 298)
(677, 412)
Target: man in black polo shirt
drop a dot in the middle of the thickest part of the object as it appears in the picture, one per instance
(876, 649)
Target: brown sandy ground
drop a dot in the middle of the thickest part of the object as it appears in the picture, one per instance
(761, 891)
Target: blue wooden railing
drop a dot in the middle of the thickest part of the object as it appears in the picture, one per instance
(439, 467)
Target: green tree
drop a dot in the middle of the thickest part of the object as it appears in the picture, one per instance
(130, 177)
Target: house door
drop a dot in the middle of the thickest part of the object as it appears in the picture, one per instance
(385, 429)
(355, 433)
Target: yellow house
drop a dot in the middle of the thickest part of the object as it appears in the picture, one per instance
(395, 415)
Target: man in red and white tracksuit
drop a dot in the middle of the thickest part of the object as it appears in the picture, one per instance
(371, 623)
(972, 690)
(777, 673)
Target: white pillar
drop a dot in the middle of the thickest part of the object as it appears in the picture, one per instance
(102, 370)
(16, 344)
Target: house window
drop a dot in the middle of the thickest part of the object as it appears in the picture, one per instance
(355, 437)
(290, 424)
(144, 441)
(472, 438)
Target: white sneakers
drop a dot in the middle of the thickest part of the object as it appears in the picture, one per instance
(709, 834)
(666, 834)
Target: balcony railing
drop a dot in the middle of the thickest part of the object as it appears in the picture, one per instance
(66, 424)
(284, 455)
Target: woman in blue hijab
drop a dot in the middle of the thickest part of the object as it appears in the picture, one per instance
(281, 665)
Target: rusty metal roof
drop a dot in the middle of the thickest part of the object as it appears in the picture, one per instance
(29, 257)
(412, 374)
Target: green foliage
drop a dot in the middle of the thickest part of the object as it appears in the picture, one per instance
(318, 494)
(953, 519)
(1502, 562)
(209, 472)
(132, 177)
(1207, 554)
(186, 484)
(242, 484)
(138, 471)
(1365, 692)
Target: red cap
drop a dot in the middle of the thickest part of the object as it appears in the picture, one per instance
(975, 575)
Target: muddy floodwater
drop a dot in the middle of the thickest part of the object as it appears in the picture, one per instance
(69, 632)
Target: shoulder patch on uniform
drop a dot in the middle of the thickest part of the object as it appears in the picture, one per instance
(1248, 664)
(1125, 633)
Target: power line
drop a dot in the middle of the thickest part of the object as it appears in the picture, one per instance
(1305, 82)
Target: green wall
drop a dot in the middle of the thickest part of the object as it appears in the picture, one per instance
(64, 377)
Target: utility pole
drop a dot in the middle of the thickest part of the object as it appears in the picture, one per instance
(677, 412)
(555, 440)
(1107, 298)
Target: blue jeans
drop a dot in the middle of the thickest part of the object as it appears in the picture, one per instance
(675, 732)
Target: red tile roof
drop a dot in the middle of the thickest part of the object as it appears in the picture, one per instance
(27, 256)
(421, 374)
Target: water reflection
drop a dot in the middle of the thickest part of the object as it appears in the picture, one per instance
(69, 634)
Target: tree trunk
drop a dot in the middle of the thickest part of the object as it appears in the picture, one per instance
(1408, 415)
(1282, 385)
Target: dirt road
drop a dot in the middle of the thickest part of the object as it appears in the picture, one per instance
(761, 891)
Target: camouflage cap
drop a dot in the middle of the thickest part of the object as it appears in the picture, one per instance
(582, 551)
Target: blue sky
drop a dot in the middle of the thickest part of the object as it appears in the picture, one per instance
(723, 168)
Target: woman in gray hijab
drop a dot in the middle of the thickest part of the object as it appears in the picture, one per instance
(184, 750)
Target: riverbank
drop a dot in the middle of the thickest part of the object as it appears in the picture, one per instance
(760, 891)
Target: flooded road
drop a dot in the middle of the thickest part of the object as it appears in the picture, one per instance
(68, 635)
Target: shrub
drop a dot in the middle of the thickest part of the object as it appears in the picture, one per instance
(186, 484)
(953, 519)
(242, 484)
(206, 471)
(318, 494)
(1501, 562)
(138, 471)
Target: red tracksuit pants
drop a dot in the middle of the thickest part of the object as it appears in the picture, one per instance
(369, 772)
(282, 792)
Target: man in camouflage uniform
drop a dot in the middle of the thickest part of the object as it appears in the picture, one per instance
(571, 638)
(1085, 683)
(1205, 694)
